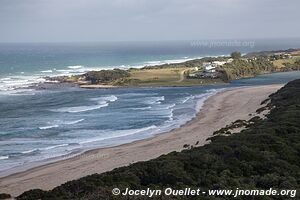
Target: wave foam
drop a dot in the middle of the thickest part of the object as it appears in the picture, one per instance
(44, 148)
(55, 146)
(101, 102)
(79, 109)
(73, 122)
(170, 61)
(110, 98)
(187, 99)
(15, 82)
(48, 127)
(155, 100)
(4, 157)
(142, 108)
(75, 67)
(122, 133)
(19, 92)
(171, 106)
(30, 151)
(47, 71)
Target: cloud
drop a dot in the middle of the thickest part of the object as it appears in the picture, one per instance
(98, 20)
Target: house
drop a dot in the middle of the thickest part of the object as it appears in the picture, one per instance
(280, 55)
(203, 75)
(209, 67)
(218, 63)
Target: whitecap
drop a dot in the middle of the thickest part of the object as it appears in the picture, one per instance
(142, 108)
(170, 61)
(79, 109)
(155, 100)
(5, 79)
(18, 92)
(75, 67)
(171, 106)
(29, 151)
(48, 127)
(162, 107)
(202, 97)
(55, 146)
(73, 122)
(187, 99)
(215, 91)
(14, 82)
(101, 102)
(63, 70)
(44, 149)
(122, 133)
(171, 116)
(4, 157)
(110, 98)
(47, 71)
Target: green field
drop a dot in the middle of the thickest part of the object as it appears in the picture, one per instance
(163, 77)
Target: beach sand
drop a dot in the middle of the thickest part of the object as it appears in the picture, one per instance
(217, 111)
(98, 86)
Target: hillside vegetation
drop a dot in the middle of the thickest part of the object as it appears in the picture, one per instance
(265, 155)
(241, 68)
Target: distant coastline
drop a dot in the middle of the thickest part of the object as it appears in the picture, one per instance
(202, 71)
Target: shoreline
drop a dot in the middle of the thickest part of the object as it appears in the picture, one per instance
(79, 153)
(218, 111)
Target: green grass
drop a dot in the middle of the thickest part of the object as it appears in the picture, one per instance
(165, 77)
(168, 74)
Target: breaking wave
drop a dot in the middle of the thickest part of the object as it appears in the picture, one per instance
(101, 102)
(48, 127)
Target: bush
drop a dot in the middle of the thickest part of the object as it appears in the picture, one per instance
(236, 55)
(4, 196)
(106, 76)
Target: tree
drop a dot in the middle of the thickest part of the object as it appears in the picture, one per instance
(236, 55)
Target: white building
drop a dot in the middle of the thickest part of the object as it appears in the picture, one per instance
(209, 67)
(219, 63)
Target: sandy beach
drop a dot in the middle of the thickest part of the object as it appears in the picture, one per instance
(97, 86)
(218, 111)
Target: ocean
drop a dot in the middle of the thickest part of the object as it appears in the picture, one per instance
(39, 124)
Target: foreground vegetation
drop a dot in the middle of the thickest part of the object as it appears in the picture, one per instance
(264, 155)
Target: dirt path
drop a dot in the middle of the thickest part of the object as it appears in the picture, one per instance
(181, 76)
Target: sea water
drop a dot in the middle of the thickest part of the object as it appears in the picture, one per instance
(38, 124)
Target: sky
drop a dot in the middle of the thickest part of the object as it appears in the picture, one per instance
(146, 20)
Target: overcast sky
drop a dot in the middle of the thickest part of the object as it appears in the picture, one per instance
(143, 20)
